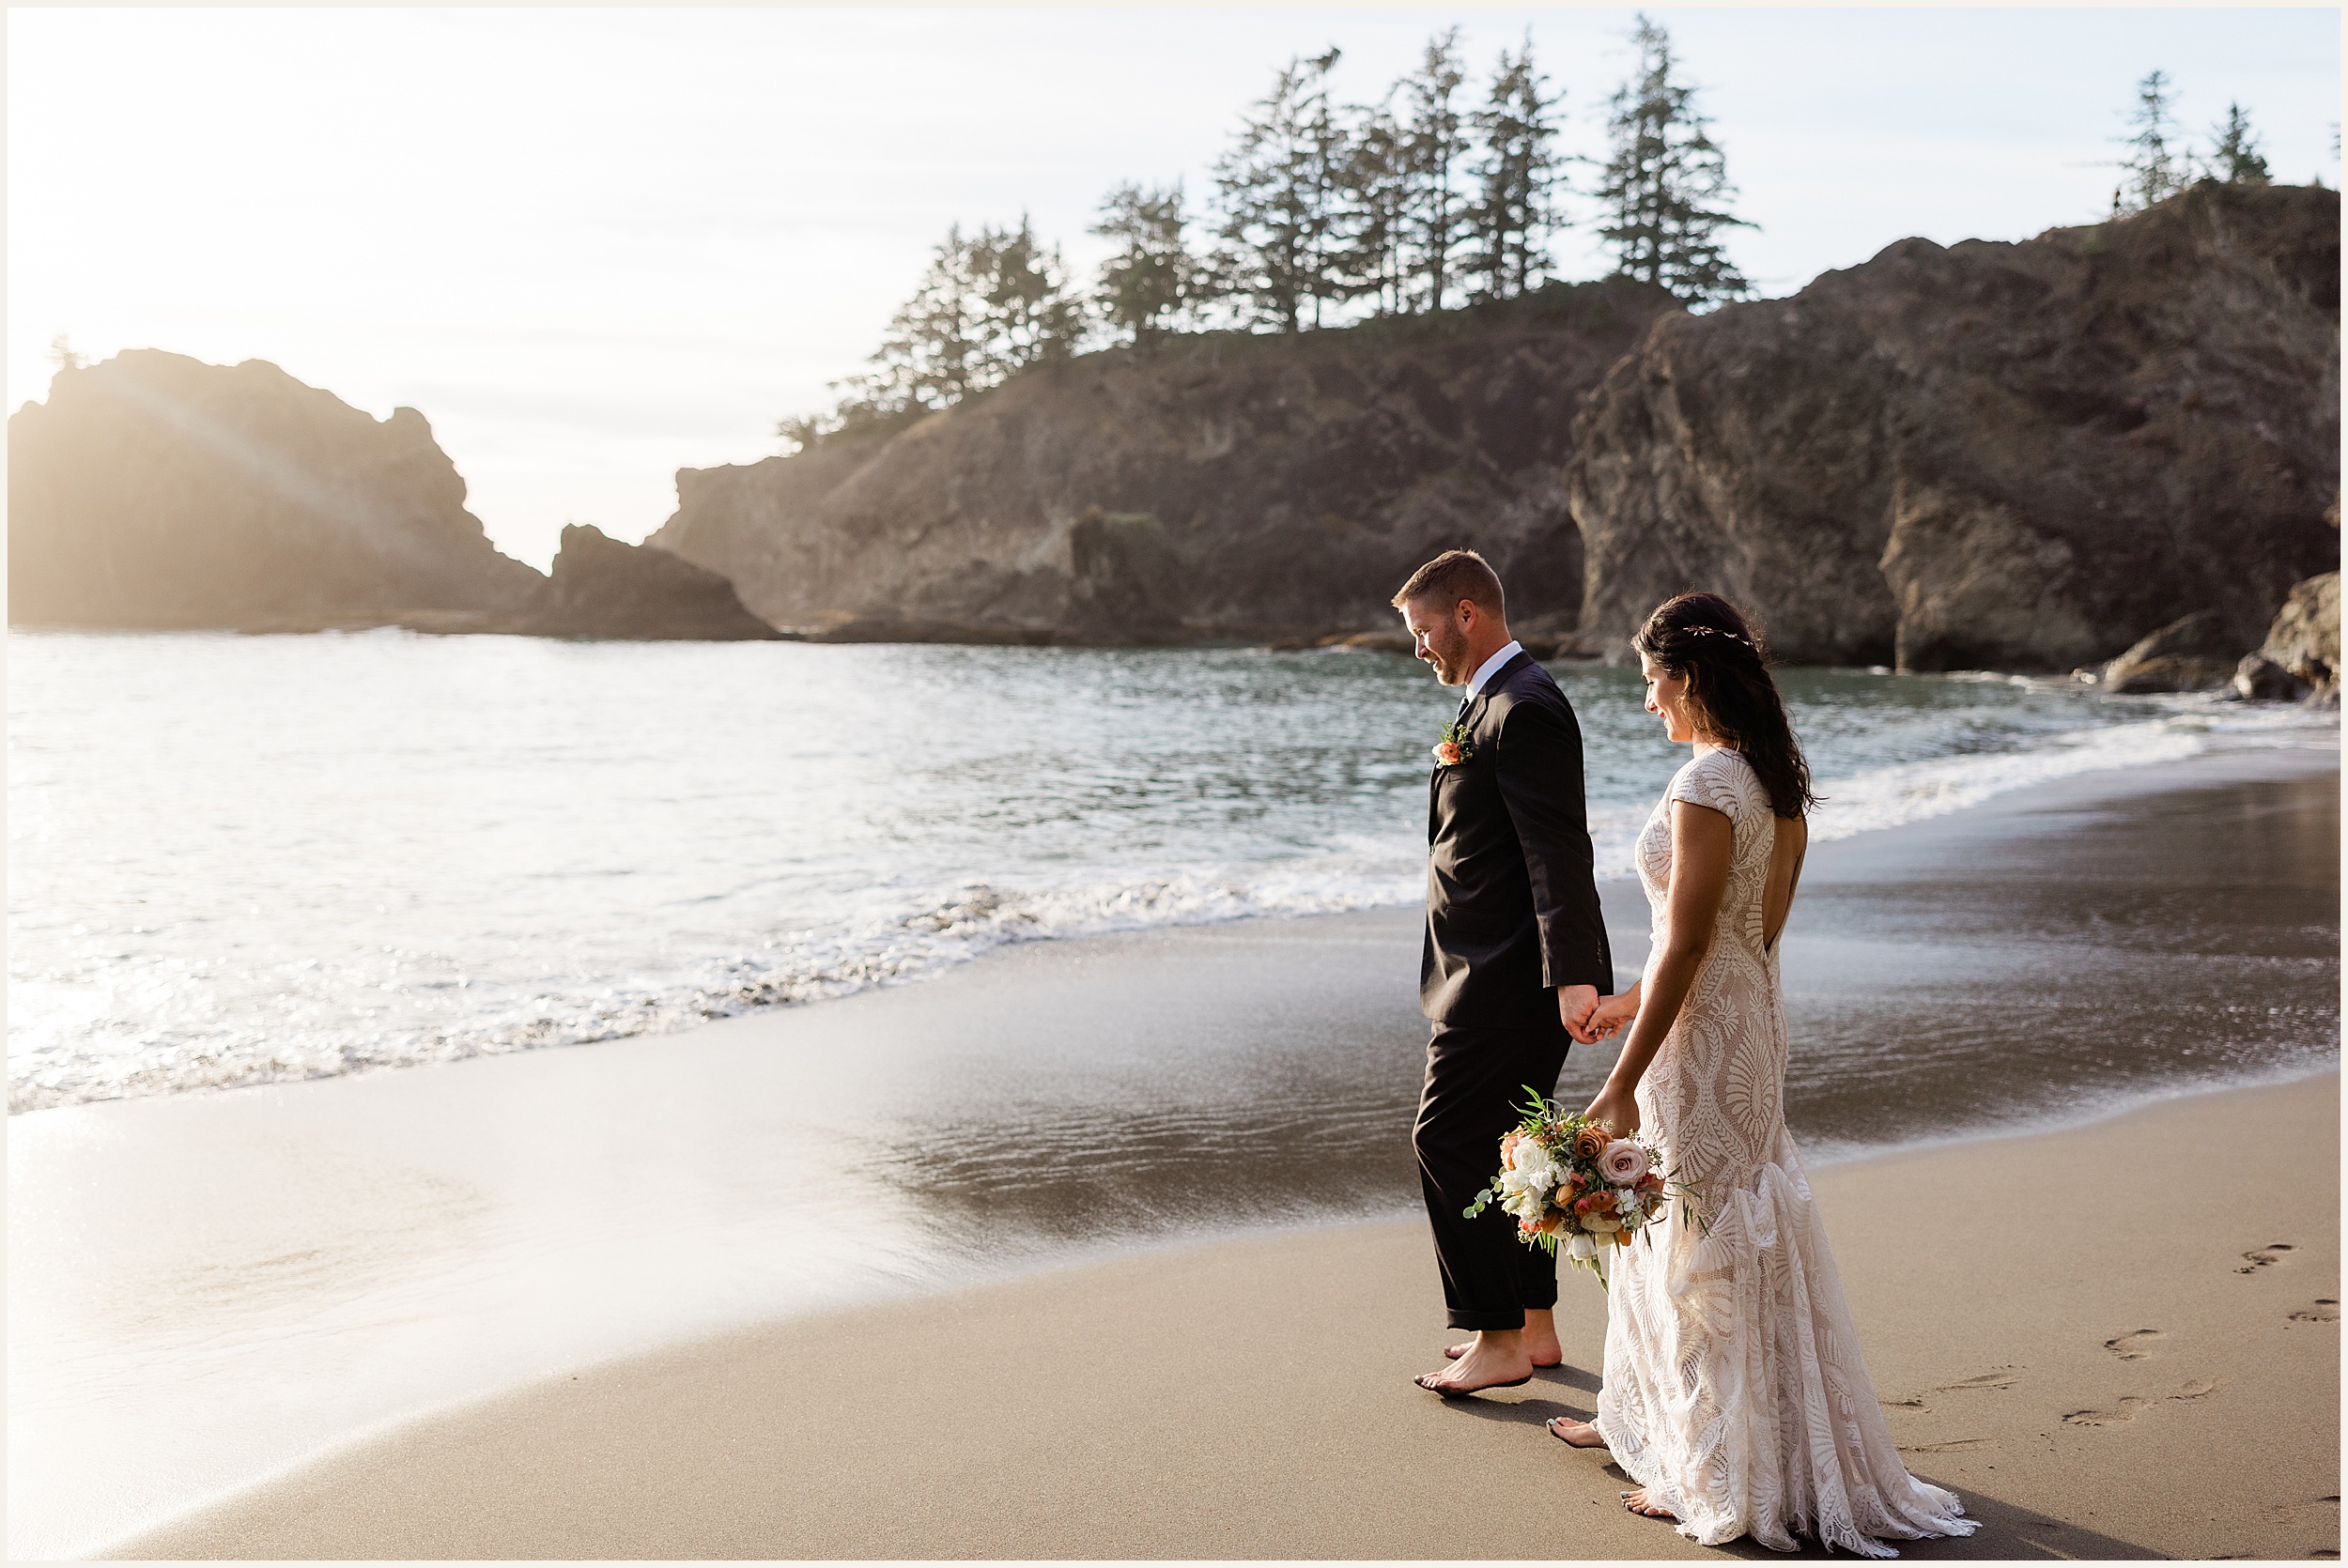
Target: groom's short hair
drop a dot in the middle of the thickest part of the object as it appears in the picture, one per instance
(1454, 575)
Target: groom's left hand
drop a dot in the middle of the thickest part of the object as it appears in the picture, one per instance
(1575, 1004)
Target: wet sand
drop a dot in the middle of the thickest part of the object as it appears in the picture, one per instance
(209, 1290)
(2102, 1360)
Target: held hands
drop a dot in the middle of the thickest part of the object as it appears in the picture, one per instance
(1575, 1004)
(1612, 1015)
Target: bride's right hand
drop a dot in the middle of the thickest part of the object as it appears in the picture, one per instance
(1616, 1109)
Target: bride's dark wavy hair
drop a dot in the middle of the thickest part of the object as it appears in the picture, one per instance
(1730, 696)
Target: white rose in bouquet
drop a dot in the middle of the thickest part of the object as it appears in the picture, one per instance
(1623, 1162)
(1524, 1191)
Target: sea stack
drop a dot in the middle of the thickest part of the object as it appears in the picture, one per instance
(606, 588)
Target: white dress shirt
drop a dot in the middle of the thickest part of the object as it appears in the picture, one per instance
(1491, 667)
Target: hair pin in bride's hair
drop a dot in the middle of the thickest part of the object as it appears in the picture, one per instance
(1715, 631)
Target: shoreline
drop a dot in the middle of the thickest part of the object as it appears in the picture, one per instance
(2125, 1392)
(397, 1243)
(460, 1000)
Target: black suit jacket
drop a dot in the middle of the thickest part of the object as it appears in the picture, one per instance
(1512, 910)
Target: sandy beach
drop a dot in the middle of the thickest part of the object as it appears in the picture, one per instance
(1102, 1247)
(2142, 1366)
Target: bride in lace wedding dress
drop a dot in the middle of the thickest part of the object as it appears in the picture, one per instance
(1734, 1390)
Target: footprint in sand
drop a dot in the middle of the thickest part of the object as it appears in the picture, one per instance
(2129, 1406)
(2001, 1379)
(2270, 1254)
(2325, 1310)
(1987, 1381)
(2133, 1346)
(2124, 1411)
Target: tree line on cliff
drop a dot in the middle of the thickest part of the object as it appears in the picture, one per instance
(2161, 161)
(1326, 214)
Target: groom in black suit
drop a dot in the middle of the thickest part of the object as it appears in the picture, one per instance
(1515, 957)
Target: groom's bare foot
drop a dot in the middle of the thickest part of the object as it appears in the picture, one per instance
(1495, 1359)
(1540, 1340)
(1637, 1502)
(1580, 1434)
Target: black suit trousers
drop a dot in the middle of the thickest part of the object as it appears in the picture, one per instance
(1475, 1076)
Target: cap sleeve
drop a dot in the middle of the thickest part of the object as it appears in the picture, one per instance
(1715, 781)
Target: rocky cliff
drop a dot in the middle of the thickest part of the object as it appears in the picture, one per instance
(1991, 456)
(156, 490)
(1226, 487)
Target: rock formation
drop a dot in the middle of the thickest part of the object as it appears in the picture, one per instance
(1229, 487)
(2032, 457)
(2021, 456)
(2300, 657)
(605, 589)
(156, 490)
(2194, 653)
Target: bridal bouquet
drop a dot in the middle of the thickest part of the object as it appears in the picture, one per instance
(1570, 1181)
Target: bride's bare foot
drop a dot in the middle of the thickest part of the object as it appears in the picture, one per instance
(1541, 1341)
(1637, 1502)
(1580, 1434)
(1495, 1359)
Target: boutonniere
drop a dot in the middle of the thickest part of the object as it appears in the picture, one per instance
(1453, 749)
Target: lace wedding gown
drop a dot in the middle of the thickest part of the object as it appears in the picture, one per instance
(1734, 1390)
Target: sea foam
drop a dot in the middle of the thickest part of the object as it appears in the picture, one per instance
(382, 851)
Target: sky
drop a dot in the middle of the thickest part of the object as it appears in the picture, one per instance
(594, 246)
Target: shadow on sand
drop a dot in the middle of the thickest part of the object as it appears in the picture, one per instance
(2008, 1531)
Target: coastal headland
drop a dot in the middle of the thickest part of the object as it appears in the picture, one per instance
(1099, 1246)
(2020, 457)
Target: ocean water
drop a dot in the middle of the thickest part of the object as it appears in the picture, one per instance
(238, 860)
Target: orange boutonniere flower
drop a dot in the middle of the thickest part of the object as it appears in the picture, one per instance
(1453, 749)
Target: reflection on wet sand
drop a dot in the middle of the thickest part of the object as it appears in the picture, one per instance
(1997, 969)
(1968, 977)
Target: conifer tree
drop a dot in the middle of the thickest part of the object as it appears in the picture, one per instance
(1027, 313)
(987, 307)
(1516, 208)
(2235, 158)
(933, 351)
(1278, 189)
(2157, 164)
(1435, 143)
(1152, 280)
(1375, 197)
(1666, 186)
